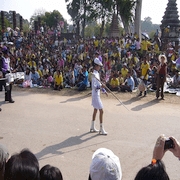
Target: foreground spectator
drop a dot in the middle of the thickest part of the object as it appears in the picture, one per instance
(4, 154)
(49, 172)
(155, 170)
(105, 165)
(22, 166)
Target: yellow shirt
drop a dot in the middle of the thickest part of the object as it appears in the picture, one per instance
(32, 64)
(144, 69)
(124, 72)
(58, 79)
(96, 43)
(145, 45)
(40, 73)
(114, 82)
(121, 80)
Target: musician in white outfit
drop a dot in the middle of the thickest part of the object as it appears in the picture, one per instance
(96, 100)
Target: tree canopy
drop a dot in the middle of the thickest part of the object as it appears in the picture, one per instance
(51, 19)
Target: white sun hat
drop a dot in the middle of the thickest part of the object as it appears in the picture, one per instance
(98, 62)
(105, 165)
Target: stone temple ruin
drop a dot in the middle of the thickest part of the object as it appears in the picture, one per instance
(170, 26)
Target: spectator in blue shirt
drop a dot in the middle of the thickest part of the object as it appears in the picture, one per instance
(35, 76)
(83, 84)
(129, 84)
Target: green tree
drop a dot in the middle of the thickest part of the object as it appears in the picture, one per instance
(74, 10)
(126, 11)
(51, 19)
(104, 10)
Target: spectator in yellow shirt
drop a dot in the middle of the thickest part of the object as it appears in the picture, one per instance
(124, 71)
(58, 81)
(114, 83)
(145, 44)
(144, 74)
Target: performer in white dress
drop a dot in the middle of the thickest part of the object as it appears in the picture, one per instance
(96, 100)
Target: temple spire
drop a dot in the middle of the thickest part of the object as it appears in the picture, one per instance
(170, 26)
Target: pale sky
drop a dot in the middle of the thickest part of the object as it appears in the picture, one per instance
(152, 8)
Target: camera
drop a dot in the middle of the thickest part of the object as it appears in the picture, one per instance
(168, 144)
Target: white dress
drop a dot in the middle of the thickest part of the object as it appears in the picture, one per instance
(96, 85)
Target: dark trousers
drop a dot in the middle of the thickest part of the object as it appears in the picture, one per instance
(125, 88)
(8, 90)
(160, 85)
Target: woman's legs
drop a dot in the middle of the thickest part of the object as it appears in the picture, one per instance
(101, 131)
(93, 129)
(162, 88)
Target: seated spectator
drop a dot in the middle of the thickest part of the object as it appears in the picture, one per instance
(114, 83)
(83, 84)
(176, 80)
(128, 84)
(49, 172)
(49, 79)
(121, 79)
(58, 81)
(22, 166)
(27, 78)
(35, 76)
(4, 154)
(105, 165)
(31, 62)
(124, 71)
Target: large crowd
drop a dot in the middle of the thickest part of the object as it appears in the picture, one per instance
(47, 60)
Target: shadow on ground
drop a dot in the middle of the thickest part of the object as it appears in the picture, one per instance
(145, 105)
(57, 149)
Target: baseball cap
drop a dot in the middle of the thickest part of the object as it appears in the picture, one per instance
(105, 165)
(4, 154)
(98, 62)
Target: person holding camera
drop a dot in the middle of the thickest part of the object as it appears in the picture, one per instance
(156, 169)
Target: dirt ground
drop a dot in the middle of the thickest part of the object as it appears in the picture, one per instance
(55, 127)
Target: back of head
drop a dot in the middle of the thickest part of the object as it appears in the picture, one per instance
(153, 171)
(22, 166)
(50, 173)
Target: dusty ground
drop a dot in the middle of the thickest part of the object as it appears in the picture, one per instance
(55, 126)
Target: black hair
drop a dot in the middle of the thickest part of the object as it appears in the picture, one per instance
(49, 172)
(22, 166)
(153, 171)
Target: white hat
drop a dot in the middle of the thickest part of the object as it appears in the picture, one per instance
(98, 62)
(162, 55)
(4, 154)
(105, 165)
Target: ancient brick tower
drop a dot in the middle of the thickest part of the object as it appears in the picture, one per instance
(114, 28)
(170, 26)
